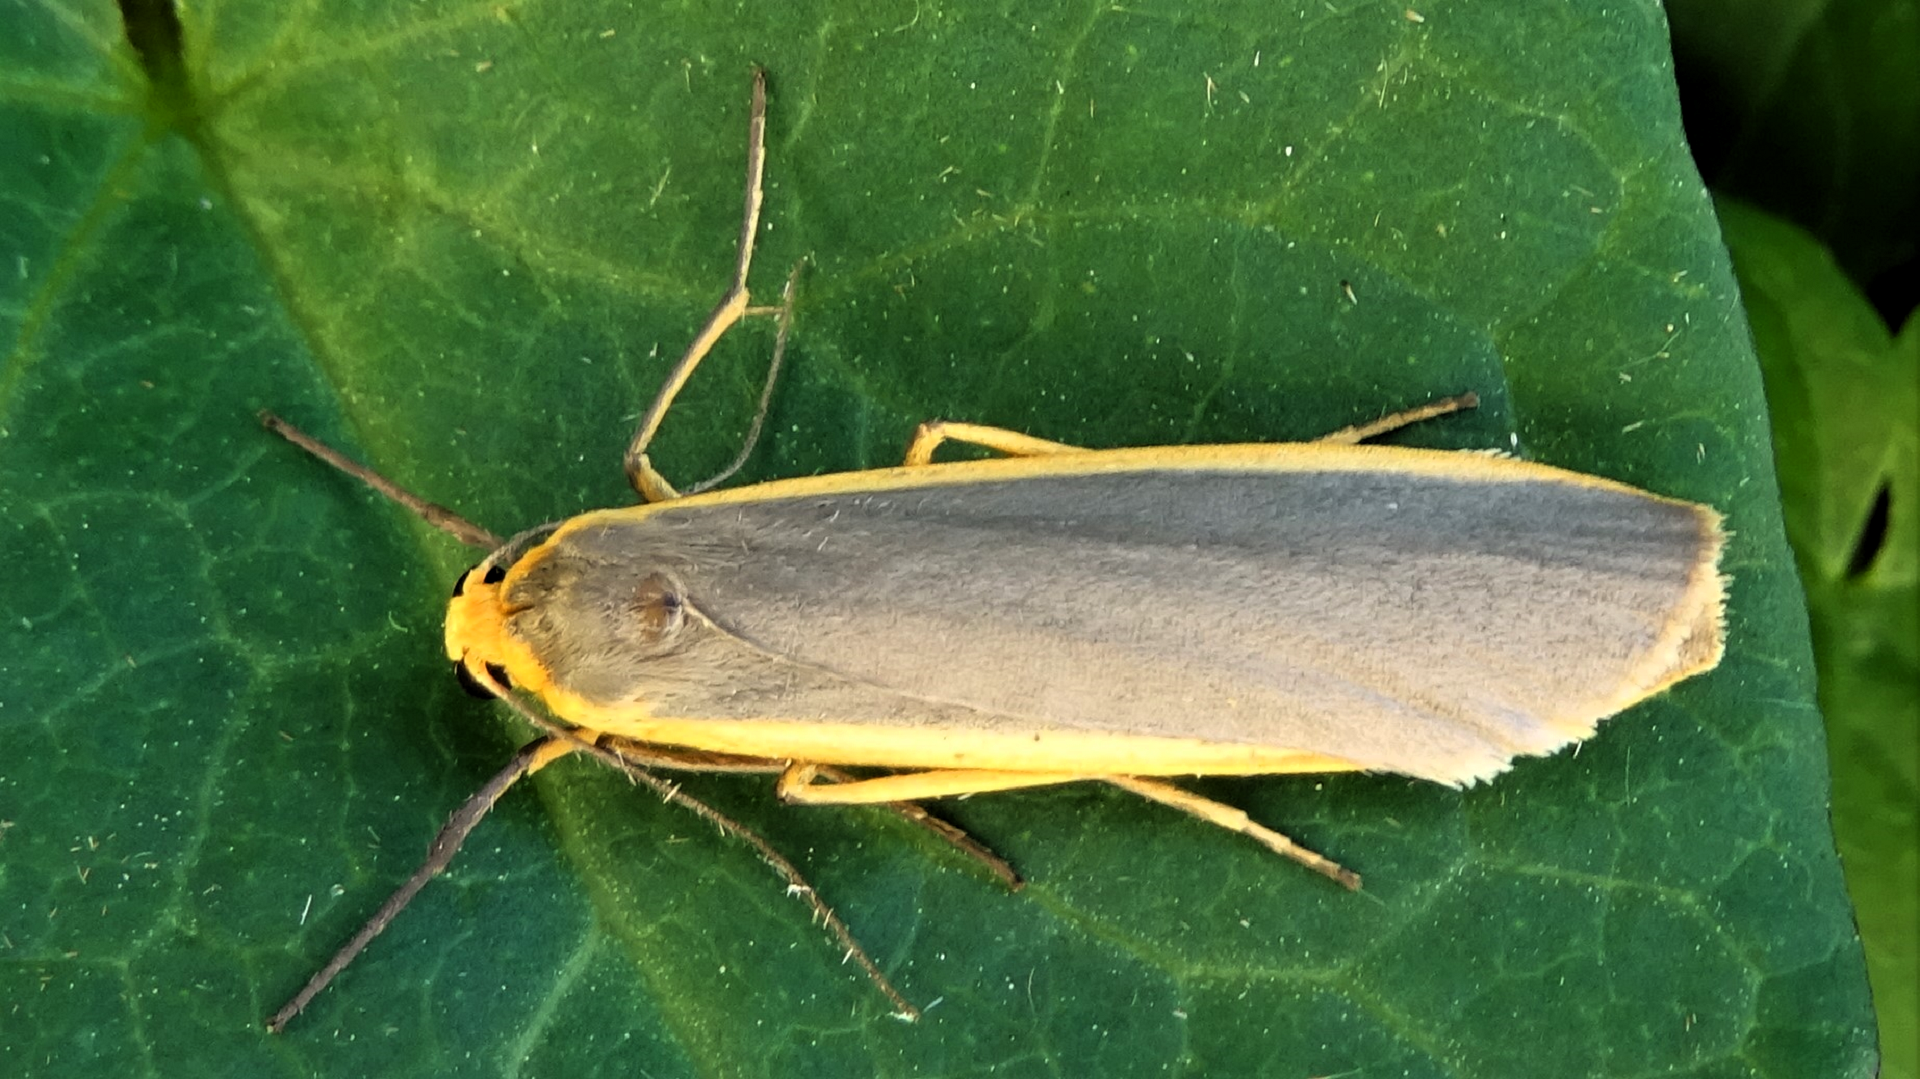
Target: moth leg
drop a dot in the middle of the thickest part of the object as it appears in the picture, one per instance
(949, 833)
(1235, 820)
(645, 480)
(797, 786)
(648, 755)
(929, 435)
(796, 884)
(588, 741)
(1348, 436)
(785, 314)
(696, 760)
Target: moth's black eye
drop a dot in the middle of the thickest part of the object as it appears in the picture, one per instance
(469, 683)
(499, 674)
(494, 575)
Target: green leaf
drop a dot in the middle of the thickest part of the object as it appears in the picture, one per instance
(1811, 108)
(464, 242)
(1845, 396)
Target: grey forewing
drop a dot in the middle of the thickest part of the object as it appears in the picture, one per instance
(1408, 623)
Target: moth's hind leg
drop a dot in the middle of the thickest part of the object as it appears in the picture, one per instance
(1347, 436)
(796, 785)
(931, 434)
(1235, 820)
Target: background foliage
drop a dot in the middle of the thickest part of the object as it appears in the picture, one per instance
(464, 240)
(1808, 114)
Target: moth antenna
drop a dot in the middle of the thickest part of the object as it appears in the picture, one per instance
(433, 513)
(446, 844)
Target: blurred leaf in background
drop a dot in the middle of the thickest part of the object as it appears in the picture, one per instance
(1811, 109)
(1845, 396)
(464, 240)
(1805, 117)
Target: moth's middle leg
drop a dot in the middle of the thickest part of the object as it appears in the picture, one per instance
(929, 436)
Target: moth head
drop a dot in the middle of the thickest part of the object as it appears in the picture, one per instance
(477, 638)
